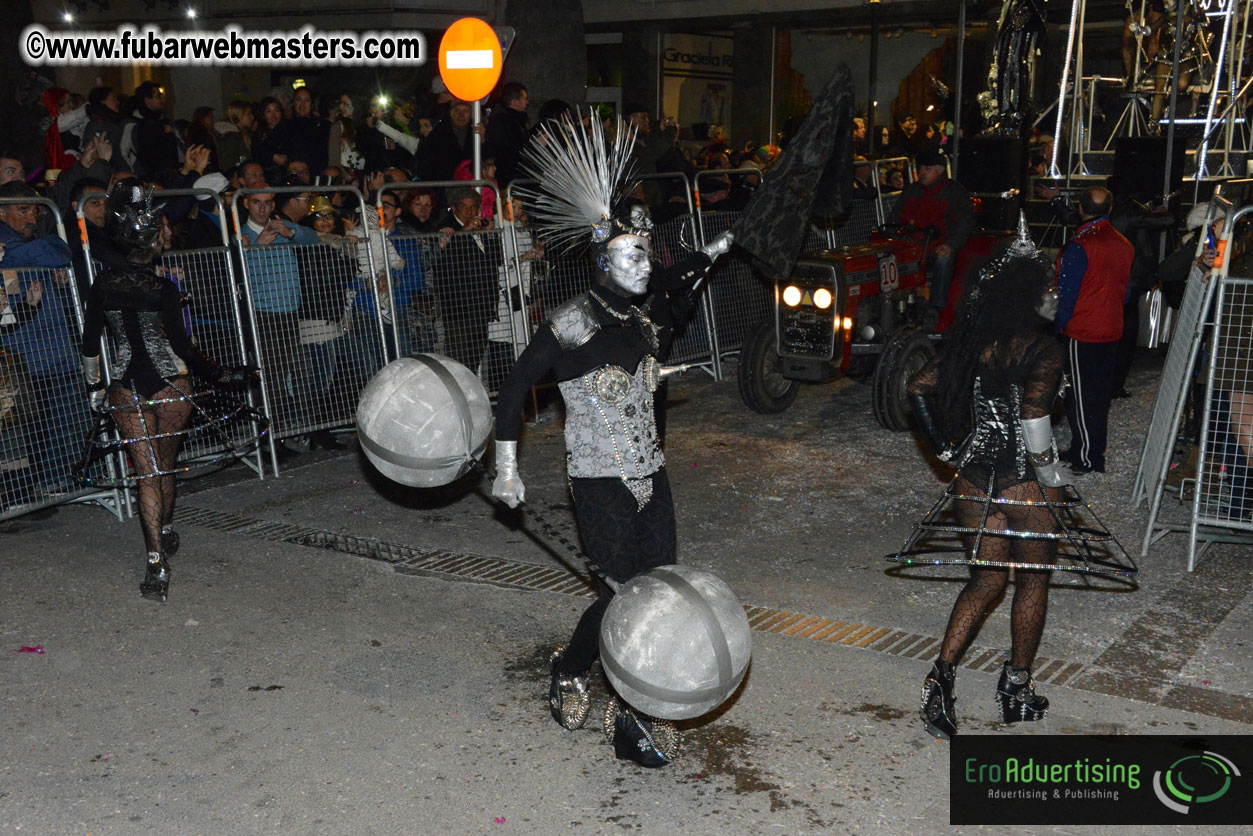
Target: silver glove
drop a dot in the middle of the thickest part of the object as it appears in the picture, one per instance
(508, 487)
(719, 246)
(1042, 451)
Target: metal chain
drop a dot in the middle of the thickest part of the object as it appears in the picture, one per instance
(552, 531)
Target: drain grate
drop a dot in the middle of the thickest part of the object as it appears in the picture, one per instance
(514, 574)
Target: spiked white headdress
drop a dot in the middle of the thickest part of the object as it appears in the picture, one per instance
(581, 174)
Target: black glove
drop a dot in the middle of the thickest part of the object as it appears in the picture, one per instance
(930, 428)
(237, 377)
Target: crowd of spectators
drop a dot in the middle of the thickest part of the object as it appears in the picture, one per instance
(318, 294)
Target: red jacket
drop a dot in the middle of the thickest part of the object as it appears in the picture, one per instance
(1092, 275)
(945, 205)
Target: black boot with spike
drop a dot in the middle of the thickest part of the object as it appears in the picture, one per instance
(1016, 696)
(938, 712)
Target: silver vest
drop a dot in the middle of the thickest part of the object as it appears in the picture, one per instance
(611, 430)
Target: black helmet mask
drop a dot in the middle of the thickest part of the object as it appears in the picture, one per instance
(132, 223)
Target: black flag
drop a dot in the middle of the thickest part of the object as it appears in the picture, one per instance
(813, 175)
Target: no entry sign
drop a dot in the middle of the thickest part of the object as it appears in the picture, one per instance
(470, 59)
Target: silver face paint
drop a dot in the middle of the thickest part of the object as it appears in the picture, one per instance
(627, 265)
(1047, 306)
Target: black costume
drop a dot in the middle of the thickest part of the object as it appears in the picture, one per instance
(144, 312)
(603, 347)
(150, 395)
(600, 331)
(994, 385)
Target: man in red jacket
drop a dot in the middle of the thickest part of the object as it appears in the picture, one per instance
(936, 201)
(1092, 277)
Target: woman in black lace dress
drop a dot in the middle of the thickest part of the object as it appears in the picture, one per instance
(149, 398)
(993, 385)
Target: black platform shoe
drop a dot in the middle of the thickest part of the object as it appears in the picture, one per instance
(568, 699)
(648, 741)
(156, 583)
(169, 540)
(938, 712)
(1015, 694)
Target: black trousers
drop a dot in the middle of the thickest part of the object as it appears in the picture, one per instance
(623, 542)
(1091, 370)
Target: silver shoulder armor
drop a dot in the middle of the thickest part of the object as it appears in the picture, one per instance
(574, 323)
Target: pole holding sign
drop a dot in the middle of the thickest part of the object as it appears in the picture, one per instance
(470, 60)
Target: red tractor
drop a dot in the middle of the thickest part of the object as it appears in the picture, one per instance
(854, 311)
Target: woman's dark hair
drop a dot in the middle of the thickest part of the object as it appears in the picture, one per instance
(997, 306)
(98, 94)
(259, 113)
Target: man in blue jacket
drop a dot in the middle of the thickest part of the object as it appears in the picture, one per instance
(274, 278)
(46, 340)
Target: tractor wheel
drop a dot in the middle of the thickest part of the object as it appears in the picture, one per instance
(763, 388)
(904, 355)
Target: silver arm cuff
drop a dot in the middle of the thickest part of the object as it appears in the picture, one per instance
(91, 371)
(1037, 434)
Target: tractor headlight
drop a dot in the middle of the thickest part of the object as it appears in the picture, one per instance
(822, 298)
(791, 296)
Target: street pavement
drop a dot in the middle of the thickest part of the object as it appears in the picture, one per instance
(341, 655)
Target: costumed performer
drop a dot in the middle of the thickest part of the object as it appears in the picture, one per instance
(602, 347)
(994, 383)
(150, 394)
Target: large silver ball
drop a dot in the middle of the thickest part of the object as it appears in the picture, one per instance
(420, 418)
(675, 642)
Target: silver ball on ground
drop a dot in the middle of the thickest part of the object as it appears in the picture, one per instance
(421, 418)
(675, 642)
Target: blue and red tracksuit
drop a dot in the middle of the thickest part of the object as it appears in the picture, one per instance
(1093, 272)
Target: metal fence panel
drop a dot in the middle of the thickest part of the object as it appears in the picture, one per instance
(44, 411)
(1225, 474)
(673, 241)
(739, 298)
(214, 320)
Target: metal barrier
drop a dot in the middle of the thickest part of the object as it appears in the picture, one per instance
(44, 410)
(887, 199)
(462, 294)
(1224, 484)
(312, 363)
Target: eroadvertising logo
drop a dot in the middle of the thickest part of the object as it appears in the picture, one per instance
(1078, 779)
(1193, 780)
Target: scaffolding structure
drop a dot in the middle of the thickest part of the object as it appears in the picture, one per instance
(1222, 84)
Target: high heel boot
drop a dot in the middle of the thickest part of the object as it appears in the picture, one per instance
(156, 583)
(568, 699)
(1015, 694)
(169, 540)
(938, 712)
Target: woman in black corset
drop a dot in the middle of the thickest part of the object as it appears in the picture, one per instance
(149, 397)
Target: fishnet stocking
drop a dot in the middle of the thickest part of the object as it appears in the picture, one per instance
(987, 586)
(156, 493)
